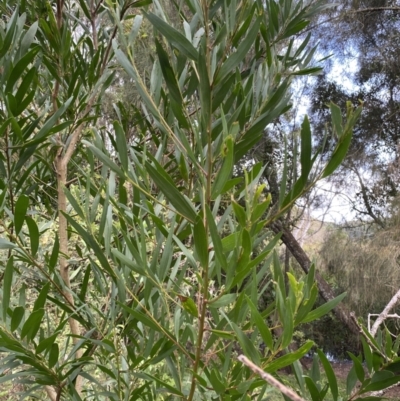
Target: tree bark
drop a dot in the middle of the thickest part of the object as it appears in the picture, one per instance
(304, 261)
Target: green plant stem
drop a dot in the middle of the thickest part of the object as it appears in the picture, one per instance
(207, 201)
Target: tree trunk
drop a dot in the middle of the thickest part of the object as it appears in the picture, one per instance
(324, 288)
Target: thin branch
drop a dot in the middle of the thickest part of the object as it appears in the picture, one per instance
(384, 314)
(270, 379)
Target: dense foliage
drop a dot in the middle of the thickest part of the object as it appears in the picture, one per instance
(134, 263)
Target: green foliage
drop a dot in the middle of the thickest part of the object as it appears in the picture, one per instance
(166, 252)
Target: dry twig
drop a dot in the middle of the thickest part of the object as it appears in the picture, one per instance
(270, 379)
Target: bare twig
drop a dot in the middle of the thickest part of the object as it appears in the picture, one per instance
(270, 379)
(383, 315)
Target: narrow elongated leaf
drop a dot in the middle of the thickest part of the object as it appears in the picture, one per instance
(338, 154)
(33, 234)
(53, 355)
(32, 324)
(120, 139)
(312, 388)
(330, 374)
(205, 90)
(54, 254)
(225, 172)
(288, 359)
(41, 299)
(323, 309)
(46, 129)
(20, 68)
(173, 36)
(7, 283)
(241, 52)
(261, 325)
(169, 74)
(337, 122)
(92, 243)
(357, 367)
(306, 147)
(105, 159)
(216, 241)
(168, 188)
(4, 244)
(200, 242)
(21, 207)
(17, 317)
(351, 381)
(248, 348)
(222, 301)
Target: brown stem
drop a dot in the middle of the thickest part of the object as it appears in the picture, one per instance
(270, 379)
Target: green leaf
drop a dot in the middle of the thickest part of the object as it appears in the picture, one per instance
(351, 381)
(225, 172)
(261, 325)
(7, 283)
(32, 324)
(381, 384)
(240, 214)
(357, 367)
(200, 242)
(146, 320)
(17, 317)
(168, 387)
(190, 307)
(168, 188)
(222, 301)
(33, 234)
(10, 33)
(229, 243)
(308, 71)
(20, 68)
(121, 140)
(247, 346)
(54, 254)
(306, 147)
(47, 127)
(338, 154)
(330, 374)
(173, 36)
(288, 359)
(204, 84)
(312, 388)
(92, 243)
(105, 159)
(323, 309)
(241, 52)
(53, 355)
(169, 74)
(41, 299)
(217, 243)
(21, 207)
(216, 381)
(337, 122)
(46, 343)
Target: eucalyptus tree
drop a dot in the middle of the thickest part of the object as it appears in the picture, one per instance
(366, 41)
(145, 283)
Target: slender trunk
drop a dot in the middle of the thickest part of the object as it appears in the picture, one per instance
(63, 263)
(304, 261)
